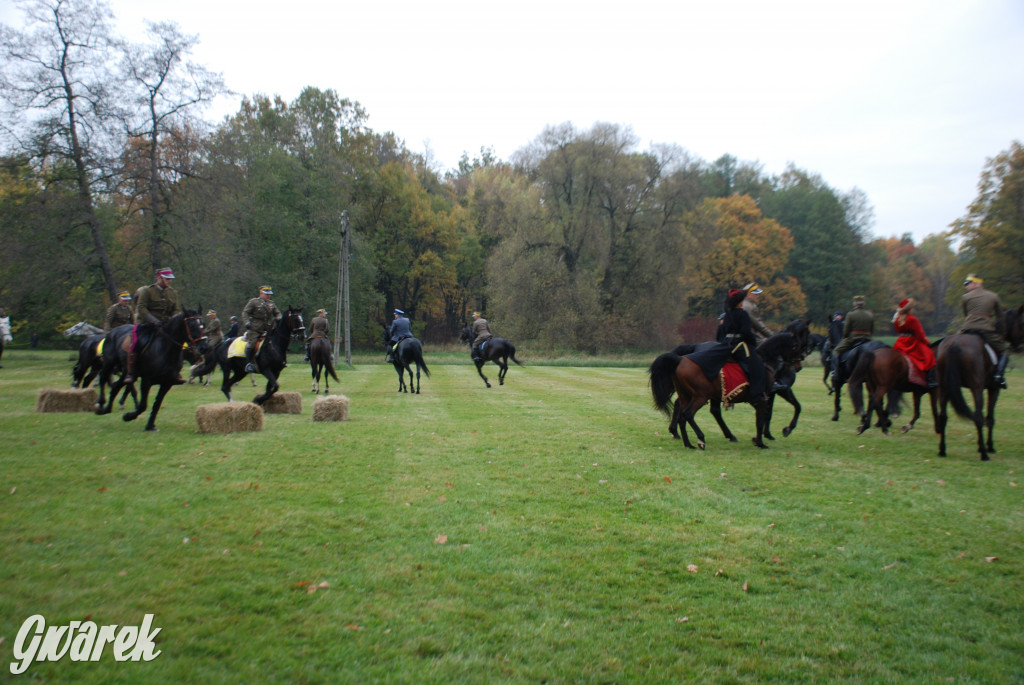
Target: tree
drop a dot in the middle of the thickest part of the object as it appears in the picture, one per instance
(167, 89)
(993, 228)
(59, 69)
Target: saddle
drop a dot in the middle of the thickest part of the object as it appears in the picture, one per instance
(988, 348)
(237, 347)
(849, 358)
(914, 374)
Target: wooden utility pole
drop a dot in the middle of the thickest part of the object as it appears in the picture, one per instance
(341, 310)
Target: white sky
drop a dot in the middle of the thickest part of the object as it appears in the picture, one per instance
(904, 99)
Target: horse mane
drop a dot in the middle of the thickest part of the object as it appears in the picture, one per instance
(777, 346)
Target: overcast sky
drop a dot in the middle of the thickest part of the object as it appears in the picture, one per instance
(904, 99)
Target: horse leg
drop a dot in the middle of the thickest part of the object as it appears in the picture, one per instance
(686, 418)
(417, 377)
(940, 422)
(151, 425)
(917, 413)
(673, 425)
(480, 370)
(990, 415)
(142, 404)
(881, 410)
(788, 395)
(838, 392)
(979, 420)
(716, 411)
(760, 420)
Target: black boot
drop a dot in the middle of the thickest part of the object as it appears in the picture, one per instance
(250, 366)
(307, 354)
(931, 379)
(999, 376)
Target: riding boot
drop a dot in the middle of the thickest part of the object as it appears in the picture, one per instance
(129, 366)
(250, 366)
(307, 353)
(1000, 373)
(475, 354)
(930, 378)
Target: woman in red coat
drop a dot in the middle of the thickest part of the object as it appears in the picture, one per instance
(913, 342)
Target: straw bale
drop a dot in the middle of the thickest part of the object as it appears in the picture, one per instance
(229, 417)
(283, 403)
(53, 400)
(330, 408)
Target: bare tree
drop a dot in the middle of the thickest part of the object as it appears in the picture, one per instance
(58, 71)
(167, 90)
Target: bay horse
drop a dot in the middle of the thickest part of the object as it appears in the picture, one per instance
(497, 350)
(964, 362)
(886, 372)
(157, 363)
(846, 366)
(689, 381)
(271, 358)
(321, 364)
(409, 351)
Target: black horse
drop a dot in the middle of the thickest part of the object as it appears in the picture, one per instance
(271, 358)
(320, 363)
(835, 334)
(846, 366)
(497, 350)
(90, 361)
(408, 351)
(157, 363)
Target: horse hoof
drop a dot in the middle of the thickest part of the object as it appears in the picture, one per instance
(734, 439)
(769, 437)
(861, 429)
(906, 428)
(151, 429)
(984, 457)
(701, 445)
(786, 432)
(130, 416)
(835, 417)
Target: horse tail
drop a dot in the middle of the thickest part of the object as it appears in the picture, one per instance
(662, 372)
(512, 353)
(860, 374)
(952, 381)
(329, 366)
(421, 362)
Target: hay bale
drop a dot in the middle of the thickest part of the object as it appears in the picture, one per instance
(52, 400)
(229, 417)
(283, 403)
(331, 408)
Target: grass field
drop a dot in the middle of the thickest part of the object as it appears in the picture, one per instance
(549, 530)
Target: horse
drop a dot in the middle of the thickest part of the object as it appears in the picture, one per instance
(157, 363)
(848, 363)
(886, 372)
(835, 334)
(89, 365)
(671, 373)
(497, 350)
(320, 363)
(271, 358)
(408, 351)
(785, 375)
(964, 362)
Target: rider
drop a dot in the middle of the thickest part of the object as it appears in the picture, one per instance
(739, 336)
(318, 329)
(983, 314)
(761, 332)
(157, 304)
(119, 313)
(214, 331)
(399, 331)
(859, 327)
(913, 342)
(481, 334)
(258, 316)
(232, 327)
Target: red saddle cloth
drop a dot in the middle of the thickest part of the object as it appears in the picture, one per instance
(915, 375)
(734, 381)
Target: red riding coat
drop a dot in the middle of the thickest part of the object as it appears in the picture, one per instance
(913, 342)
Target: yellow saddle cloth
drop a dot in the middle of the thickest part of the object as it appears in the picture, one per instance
(99, 348)
(236, 348)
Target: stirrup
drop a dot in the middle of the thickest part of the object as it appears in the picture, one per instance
(249, 368)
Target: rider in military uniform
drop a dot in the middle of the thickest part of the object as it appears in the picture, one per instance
(481, 334)
(317, 329)
(258, 317)
(983, 314)
(761, 332)
(738, 334)
(399, 331)
(859, 327)
(214, 330)
(119, 313)
(157, 304)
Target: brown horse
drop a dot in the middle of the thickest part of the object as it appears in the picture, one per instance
(686, 378)
(964, 362)
(887, 374)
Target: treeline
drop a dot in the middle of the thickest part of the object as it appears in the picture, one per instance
(582, 240)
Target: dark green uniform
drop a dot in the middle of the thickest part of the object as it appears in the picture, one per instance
(157, 305)
(118, 315)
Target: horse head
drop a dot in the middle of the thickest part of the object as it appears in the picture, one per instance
(292, 321)
(466, 335)
(784, 346)
(193, 331)
(1015, 328)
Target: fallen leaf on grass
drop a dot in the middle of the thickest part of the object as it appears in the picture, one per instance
(692, 568)
(991, 559)
(667, 479)
(682, 619)
(892, 565)
(441, 539)
(353, 626)
(744, 586)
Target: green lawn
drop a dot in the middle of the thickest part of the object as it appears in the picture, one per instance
(548, 530)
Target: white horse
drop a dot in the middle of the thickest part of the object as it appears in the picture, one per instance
(5, 334)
